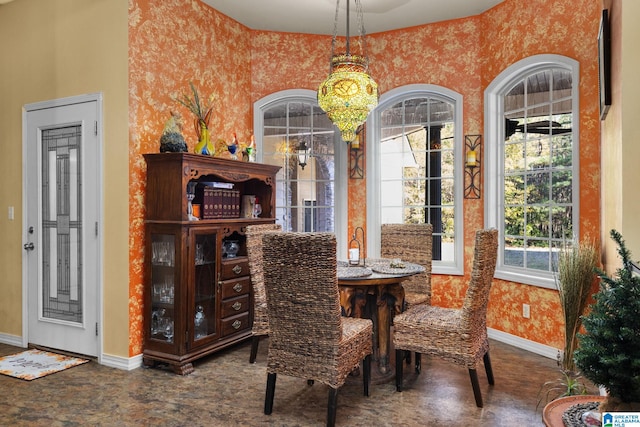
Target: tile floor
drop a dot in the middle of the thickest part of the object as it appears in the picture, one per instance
(225, 390)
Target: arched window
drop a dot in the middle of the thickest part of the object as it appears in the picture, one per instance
(414, 168)
(531, 176)
(310, 197)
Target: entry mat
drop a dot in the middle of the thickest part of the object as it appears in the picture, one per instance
(32, 364)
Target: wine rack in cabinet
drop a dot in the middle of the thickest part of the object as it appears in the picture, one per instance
(198, 297)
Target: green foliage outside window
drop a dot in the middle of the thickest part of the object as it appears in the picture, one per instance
(538, 213)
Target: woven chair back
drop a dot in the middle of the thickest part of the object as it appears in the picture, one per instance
(411, 243)
(474, 307)
(254, 252)
(302, 298)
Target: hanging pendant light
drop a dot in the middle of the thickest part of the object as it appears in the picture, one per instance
(348, 94)
(302, 154)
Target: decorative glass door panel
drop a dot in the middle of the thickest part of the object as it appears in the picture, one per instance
(163, 287)
(62, 285)
(204, 244)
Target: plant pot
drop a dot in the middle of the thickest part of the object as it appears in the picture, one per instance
(553, 413)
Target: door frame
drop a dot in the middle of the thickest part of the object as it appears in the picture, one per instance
(61, 102)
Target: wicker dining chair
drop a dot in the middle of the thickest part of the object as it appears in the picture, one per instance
(260, 326)
(458, 335)
(411, 243)
(308, 337)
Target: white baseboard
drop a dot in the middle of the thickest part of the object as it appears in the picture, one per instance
(119, 362)
(11, 340)
(524, 344)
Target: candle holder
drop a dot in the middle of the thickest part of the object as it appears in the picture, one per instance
(355, 247)
(472, 145)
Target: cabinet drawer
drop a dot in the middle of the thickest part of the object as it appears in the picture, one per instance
(235, 267)
(236, 287)
(234, 306)
(234, 324)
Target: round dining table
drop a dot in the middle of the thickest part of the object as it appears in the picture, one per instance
(373, 289)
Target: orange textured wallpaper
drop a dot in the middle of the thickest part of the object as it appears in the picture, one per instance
(512, 31)
(174, 41)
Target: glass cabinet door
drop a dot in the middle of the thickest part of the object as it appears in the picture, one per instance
(204, 251)
(163, 287)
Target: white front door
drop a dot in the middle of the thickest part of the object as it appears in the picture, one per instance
(61, 193)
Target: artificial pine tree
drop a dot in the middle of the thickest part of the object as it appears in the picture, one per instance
(609, 351)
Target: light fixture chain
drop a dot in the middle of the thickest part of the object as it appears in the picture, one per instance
(348, 22)
(361, 30)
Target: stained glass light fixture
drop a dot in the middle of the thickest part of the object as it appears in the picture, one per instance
(348, 94)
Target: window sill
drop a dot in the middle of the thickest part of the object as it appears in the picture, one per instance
(542, 280)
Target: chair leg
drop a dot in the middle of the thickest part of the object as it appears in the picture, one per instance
(418, 358)
(366, 377)
(473, 374)
(271, 389)
(332, 406)
(487, 367)
(255, 340)
(399, 363)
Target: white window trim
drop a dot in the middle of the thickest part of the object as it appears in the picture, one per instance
(373, 171)
(341, 207)
(494, 132)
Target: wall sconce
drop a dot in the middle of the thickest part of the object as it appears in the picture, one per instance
(303, 154)
(356, 155)
(472, 148)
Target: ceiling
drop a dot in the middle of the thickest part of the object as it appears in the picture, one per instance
(318, 16)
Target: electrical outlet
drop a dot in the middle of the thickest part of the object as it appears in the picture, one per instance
(526, 311)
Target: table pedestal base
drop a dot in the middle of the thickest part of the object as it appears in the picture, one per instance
(383, 369)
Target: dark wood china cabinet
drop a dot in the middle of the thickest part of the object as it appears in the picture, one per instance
(197, 296)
